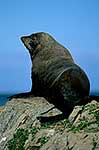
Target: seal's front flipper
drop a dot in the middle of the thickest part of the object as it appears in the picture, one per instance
(22, 95)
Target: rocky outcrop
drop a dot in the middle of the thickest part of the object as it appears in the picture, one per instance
(20, 127)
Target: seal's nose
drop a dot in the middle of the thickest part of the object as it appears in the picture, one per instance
(23, 38)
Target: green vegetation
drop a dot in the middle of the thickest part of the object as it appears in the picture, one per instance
(82, 126)
(95, 111)
(43, 140)
(94, 143)
(20, 137)
(65, 123)
(18, 140)
(33, 131)
(84, 123)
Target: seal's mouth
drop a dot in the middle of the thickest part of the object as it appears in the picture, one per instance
(25, 39)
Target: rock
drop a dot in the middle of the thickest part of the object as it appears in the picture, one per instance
(20, 113)
(19, 117)
(75, 114)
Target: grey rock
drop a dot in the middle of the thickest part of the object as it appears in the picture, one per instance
(23, 113)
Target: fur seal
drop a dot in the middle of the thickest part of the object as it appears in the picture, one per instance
(54, 72)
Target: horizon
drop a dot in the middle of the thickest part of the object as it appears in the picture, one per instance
(75, 25)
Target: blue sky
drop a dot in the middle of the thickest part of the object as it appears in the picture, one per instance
(74, 23)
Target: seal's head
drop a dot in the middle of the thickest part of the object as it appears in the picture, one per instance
(36, 40)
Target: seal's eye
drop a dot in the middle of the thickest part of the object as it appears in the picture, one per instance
(33, 43)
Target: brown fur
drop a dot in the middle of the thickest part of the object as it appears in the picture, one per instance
(54, 72)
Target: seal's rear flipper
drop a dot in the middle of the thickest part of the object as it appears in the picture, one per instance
(52, 119)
